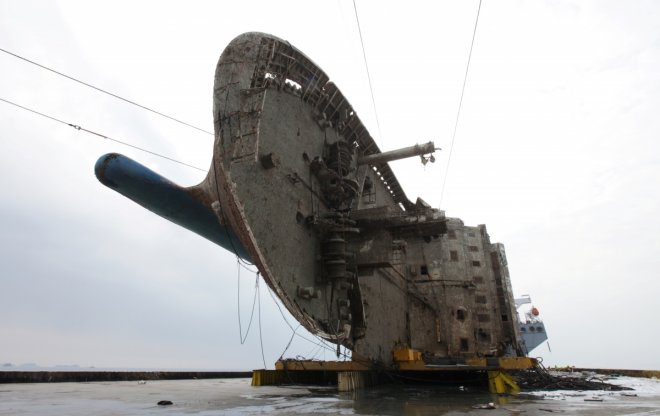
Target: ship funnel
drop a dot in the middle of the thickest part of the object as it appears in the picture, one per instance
(186, 207)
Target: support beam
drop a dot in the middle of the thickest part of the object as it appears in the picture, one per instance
(379, 158)
(499, 382)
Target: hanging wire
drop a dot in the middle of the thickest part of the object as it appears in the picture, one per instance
(364, 55)
(242, 263)
(314, 352)
(104, 91)
(460, 104)
(321, 342)
(254, 302)
(290, 341)
(261, 339)
(103, 136)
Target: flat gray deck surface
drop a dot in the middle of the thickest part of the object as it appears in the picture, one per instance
(237, 397)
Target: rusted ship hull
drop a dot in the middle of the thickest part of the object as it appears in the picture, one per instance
(299, 187)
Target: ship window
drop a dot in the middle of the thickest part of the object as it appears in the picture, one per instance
(482, 317)
(396, 256)
(461, 314)
(539, 329)
(478, 279)
(532, 329)
(523, 329)
(423, 270)
(464, 344)
(453, 255)
(473, 248)
(476, 263)
(369, 197)
(451, 234)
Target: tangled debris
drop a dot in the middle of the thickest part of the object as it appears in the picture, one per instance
(539, 378)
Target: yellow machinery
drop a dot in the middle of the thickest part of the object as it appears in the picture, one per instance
(408, 363)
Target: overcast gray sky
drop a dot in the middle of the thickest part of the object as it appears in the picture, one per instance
(557, 152)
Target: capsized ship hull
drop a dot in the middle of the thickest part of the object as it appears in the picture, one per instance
(298, 187)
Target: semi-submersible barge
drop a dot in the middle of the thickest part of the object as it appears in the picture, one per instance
(298, 187)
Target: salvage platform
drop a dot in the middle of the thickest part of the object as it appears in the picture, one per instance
(354, 375)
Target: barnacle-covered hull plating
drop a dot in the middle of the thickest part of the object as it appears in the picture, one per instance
(298, 187)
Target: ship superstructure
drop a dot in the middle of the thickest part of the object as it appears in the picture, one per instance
(532, 328)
